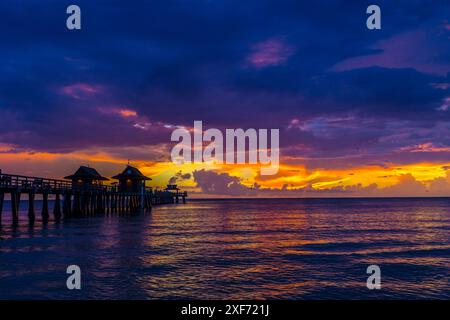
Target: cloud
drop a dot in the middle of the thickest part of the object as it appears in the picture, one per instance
(445, 104)
(211, 182)
(426, 147)
(80, 90)
(179, 177)
(214, 184)
(271, 52)
(122, 87)
(423, 50)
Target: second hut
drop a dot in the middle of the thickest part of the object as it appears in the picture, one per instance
(131, 179)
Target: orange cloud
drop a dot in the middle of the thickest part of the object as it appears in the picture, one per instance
(420, 179)
(127, 113)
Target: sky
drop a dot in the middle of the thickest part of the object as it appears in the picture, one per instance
(361, 112)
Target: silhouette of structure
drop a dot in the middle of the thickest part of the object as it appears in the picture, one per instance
(86, 177)
(174, 187)
(85, 194)
(131, 180)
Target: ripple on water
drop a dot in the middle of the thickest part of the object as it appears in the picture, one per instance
(236, 249)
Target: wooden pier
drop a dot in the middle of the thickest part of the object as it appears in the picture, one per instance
(76, 200)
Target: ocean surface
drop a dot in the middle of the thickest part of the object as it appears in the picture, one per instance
(236, 249)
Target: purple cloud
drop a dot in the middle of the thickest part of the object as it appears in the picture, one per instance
(271, 52)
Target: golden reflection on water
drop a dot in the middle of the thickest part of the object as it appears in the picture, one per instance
(272, 247)
(248, 249)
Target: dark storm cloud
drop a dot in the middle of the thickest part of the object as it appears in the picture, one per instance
(229, 63)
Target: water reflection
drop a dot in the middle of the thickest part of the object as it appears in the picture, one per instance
(236, 249)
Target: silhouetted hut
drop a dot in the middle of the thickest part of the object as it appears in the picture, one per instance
(131, 179)
(85, 177)
(172, 187)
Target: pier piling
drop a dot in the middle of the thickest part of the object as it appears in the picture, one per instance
(31, 214)
(57, 207)
(15, 206)
(2, 198)
(45, 214)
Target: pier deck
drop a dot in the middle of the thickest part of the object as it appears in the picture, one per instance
(71, 200)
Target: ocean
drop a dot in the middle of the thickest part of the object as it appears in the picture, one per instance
(236, 249)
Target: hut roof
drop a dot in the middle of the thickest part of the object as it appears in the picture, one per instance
(84, 172)
(131, 172)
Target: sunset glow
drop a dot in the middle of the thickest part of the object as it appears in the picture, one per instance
(359, 113)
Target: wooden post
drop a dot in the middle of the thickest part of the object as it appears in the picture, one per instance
(122, 204)
(57, 207)
(111, 202)
(83, 202)
(67, 206)
(65, 203)
(135, 203)
(108, 203)
(99, 203)
(31, 215)
(114, 203)
(15, 204)
(76, 203)
(87, 203)
(142, 195)
(93, 202)
(127, 203)
(103, 203)
(45, 214)
(130, 203)
(2, 199)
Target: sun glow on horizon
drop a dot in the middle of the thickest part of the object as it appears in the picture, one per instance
(290, 176)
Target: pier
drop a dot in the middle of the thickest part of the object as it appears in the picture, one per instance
(85, 195)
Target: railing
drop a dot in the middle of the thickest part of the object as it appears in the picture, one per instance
(45, 184)
(25, 182)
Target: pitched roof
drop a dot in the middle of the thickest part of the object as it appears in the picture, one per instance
(84, 172)
(131, 172)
